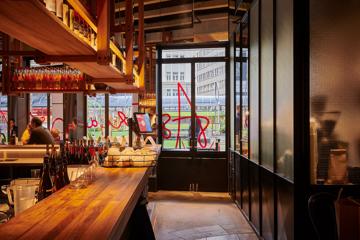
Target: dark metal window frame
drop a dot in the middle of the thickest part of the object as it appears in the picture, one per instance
(193, 61)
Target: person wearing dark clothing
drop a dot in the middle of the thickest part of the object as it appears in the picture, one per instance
(39, 134)
(13, 129)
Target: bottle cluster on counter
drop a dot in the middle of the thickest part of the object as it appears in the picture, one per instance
(54, 173)
(47, 78)
(83, 152)
(63, 10)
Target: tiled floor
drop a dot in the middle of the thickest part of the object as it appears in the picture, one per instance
(193, 216)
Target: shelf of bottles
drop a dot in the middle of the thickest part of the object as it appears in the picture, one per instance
(47, 79)
(77, 24)
(72, 20)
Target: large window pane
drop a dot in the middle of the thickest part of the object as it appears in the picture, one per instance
(96, 116)
(38, 107)
(210, 106)
(267, 83)
(254, 82)
(284, 88)
(120, 108)
(244, 94)
(57, 115)
(176, 107)
(334, 92)
(237, 86)
(3, 116)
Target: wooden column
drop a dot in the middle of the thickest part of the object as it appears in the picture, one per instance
(129, 40)
(103, 32)
(141, 45)
(5, 81)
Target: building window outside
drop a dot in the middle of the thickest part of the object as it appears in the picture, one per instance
(175, 76)
(168, 92)
(182, 76)
(168, 76)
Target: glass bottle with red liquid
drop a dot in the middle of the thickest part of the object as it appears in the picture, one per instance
(45, 79)
(62, 80)
(38, 78)
(27, 79)
(33, 78)
(15, 80)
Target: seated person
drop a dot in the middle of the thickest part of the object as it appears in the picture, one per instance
(26, 135)
(39, 134)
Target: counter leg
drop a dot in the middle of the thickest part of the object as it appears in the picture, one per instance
(139, 224)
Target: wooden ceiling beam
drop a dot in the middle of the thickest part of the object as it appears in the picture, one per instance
(19, 53)
(5, 80)
(65, 58)
(182, 8)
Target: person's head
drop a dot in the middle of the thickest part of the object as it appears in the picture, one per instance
(11, 122)
(35, 122)
(55, 133)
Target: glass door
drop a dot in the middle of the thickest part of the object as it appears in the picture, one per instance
(210, 120)
(192, 118)
(176, 106)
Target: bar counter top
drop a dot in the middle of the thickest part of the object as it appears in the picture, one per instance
(21, 161)
(100, 211)
(26, 146)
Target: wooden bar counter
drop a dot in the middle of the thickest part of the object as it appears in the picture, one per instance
(100, 211)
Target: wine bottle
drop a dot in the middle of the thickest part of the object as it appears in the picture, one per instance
(59, 174)
(71, 19)
(59, 8)
(45, 185)
(65, 13)
(51, 5)
(76, 23)
(65, 172)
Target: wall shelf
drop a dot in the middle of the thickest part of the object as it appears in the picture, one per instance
(30, 22)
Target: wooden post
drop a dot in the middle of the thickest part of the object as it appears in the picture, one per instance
(141, 45)
(103, 34)
(129, 37)
(5, 66)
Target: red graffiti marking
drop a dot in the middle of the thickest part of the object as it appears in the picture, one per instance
(93, 123)
(3, 116)
(166, 131)
(56, 120)
(123, 120)
(201, 138)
